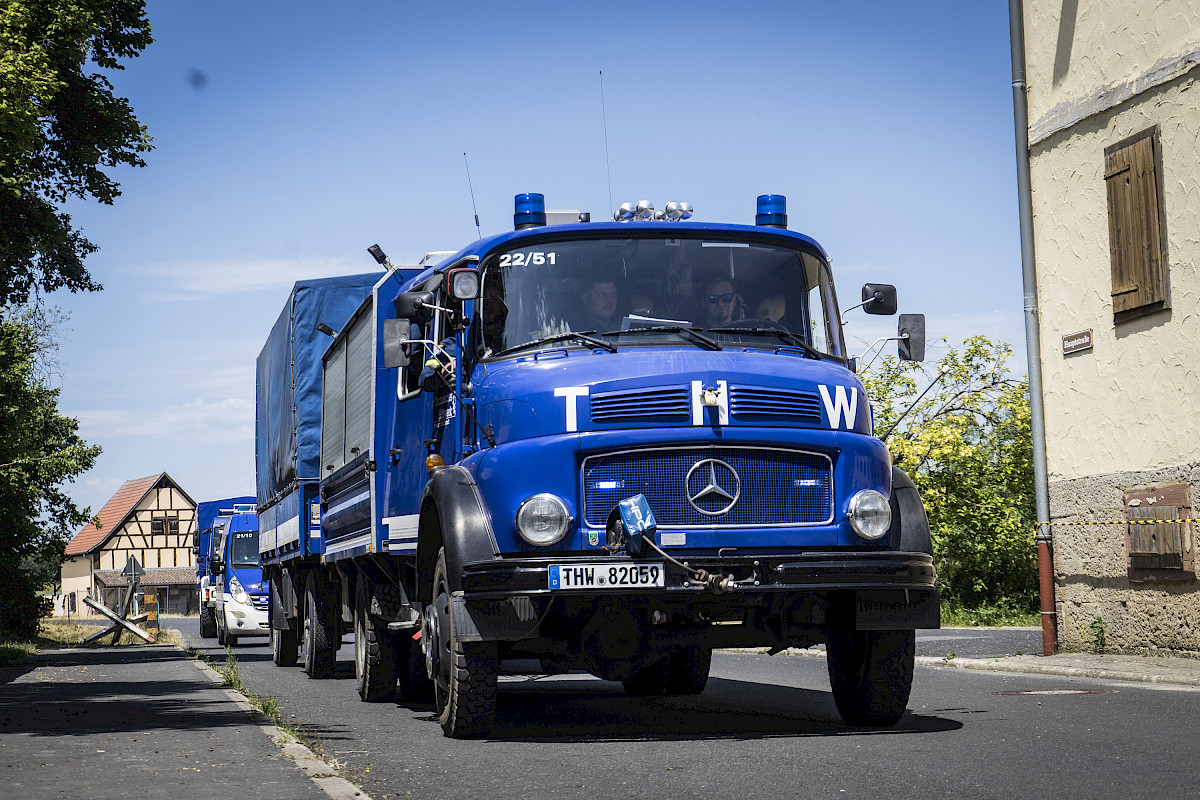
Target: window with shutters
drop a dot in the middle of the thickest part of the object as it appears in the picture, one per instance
(1137, 231)
(1158, 548)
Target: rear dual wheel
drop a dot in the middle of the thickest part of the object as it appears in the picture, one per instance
(321, 632)
(285, 649)
(374, 648)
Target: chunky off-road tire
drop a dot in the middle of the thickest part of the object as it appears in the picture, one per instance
(464, 673)
(208, 623)
(322, 625)
(374, 648)
(285, 645)
(649, 681)
(687, 670)
(285, 648)
(871, 674)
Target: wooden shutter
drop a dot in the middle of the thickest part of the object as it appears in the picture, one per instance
(1136, 226)
(1158, 550)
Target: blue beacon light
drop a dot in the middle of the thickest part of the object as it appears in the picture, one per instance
(772, 211)
(530, 210)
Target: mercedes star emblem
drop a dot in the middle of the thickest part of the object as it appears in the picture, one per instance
(719, 487)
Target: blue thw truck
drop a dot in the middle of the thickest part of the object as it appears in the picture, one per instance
(211, 518)
(608, 446)
(239, 596)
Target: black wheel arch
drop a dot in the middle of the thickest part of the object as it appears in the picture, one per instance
(909, 531)
(453, 517)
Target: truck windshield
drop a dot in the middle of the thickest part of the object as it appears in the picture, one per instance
(243, 550)
(738, 293)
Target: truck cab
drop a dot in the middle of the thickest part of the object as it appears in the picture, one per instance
(612, 447)
(240, 597)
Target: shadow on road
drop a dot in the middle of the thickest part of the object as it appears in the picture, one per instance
(594, 711)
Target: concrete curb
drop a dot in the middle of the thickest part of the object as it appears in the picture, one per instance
(1018, 664)
(1040, 665)
(318, 771)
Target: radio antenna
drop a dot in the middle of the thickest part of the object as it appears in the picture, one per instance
(478, 232)
(607, 163)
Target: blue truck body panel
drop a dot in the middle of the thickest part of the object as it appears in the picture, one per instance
(288, 420)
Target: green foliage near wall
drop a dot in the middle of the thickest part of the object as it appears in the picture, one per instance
(968, 447)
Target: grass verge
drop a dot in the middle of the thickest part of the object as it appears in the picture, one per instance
(955, 616)
(231, 677)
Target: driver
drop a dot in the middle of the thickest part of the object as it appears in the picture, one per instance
(599, 301)
(719, 303)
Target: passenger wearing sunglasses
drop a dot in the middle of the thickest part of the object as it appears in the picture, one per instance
(719, 302)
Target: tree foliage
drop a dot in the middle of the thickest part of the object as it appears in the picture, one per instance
(60, 128)
(968, 447)
(40, 450)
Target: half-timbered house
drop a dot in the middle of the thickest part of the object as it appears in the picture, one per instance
(151, 519)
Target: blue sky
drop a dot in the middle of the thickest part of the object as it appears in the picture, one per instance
(319, 129)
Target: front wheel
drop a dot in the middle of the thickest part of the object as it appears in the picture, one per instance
(871, 674)
(463, 673)
(374, 649)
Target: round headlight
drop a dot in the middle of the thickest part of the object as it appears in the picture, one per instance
(543, 519)
(870, 514)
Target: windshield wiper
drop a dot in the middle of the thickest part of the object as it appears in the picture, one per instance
(576, 336)
(691, 333)
(786, 336)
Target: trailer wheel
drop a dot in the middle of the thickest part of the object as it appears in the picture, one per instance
(687, 670)
(464, 673)
(285, 650)
(321, 627)
(374, 649)
(208, 623)
(871, 674)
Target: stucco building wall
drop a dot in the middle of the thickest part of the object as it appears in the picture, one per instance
(1125, 414)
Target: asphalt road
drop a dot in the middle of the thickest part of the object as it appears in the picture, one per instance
(764, 727)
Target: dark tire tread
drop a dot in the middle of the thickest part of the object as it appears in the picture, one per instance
(871, 675)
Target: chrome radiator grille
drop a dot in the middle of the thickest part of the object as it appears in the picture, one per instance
(713, 486)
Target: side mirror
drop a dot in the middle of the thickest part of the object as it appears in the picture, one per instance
(217, 566)
(395, 343)
(415, 306)
(879, 298)
(911, 333)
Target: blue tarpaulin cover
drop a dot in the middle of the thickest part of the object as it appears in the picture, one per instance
(287, 429)
(207, 510)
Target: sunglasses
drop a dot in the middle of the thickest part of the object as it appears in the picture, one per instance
(720, 298)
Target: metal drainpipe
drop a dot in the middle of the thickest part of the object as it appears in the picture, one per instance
(1016, 27)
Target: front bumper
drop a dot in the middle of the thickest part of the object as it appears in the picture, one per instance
(867, 590)
(245, 620)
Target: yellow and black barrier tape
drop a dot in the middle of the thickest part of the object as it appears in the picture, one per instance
(1126, 522)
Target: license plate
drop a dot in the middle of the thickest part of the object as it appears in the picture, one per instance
(606, 576)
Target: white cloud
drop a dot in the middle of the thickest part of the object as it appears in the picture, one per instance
(229, 419)
(205, 279)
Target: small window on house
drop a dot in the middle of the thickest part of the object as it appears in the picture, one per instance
(1137, 231)
(156, 526)
(1158, 548)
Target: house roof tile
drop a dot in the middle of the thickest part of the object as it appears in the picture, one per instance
(112, 514)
